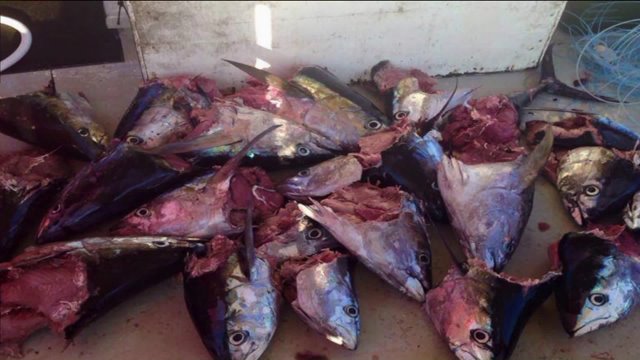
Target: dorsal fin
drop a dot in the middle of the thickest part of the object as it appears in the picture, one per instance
(248, 257)
(231, 165)
(270, 79)
(426, 126)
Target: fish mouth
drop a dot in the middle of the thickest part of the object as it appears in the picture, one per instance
(50, 232)
(462, 353)
(574, 210)
(585, 328)
(414, 289)
(632, 220)
(289, 190)
(342, 336)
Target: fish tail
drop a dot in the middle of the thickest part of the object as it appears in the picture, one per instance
(557, 87)
(536, 159)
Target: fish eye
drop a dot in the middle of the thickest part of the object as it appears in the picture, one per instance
(238, 338)
(143, 212)
(304, 173)
(434, 186)
(400, 115)
(374, 125)
(591, 190)
(598, 299)
(83, 132)
(351, 310)
(510, 247)
(314, 233)
(423, 257)
(303, 151)
(134, 140)
(160, 243)
(480, 336)
(56, 209)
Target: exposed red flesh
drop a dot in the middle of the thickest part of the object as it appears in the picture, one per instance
(16, 326)
(278, 224)
(288, 271)
(387, 76)
(252, 187)
(362, 202)
(266, 98)
(30, 169)
(570, 128)
(218, 251)
(373, 145)
(52, 291)
(486, 131)
(194, 84)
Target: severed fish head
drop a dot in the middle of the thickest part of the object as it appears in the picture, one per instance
(322, 179)
(600, 283)
(594, 181)
(481, 313)
(361, 215)
(322, 294)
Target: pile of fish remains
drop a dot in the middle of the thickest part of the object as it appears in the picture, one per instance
(183, 188)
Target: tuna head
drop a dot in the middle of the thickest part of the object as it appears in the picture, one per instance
(91, 137)
(600, 283)
(395, 249)
(481, 313)
(191, 210)
(324, 296)
(289, 234)
(235, 316)
(632, 213)
(489, 203)
(594, 181)
(322, 179)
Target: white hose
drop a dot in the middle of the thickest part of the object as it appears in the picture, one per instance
(25, 42)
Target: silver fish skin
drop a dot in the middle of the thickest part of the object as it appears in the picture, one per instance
(326, 300)
(197, 209)
(201, 208)
(594, 181)
(403, 259)
(489, 204)
(253, 310)
(470, 312)
(288, 142)
(601, 280)
(410, 103)
(322, 179)
(632, 213)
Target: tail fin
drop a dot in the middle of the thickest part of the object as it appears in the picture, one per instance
(555, 86)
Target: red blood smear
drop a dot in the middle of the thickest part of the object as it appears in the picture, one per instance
(543, 226)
